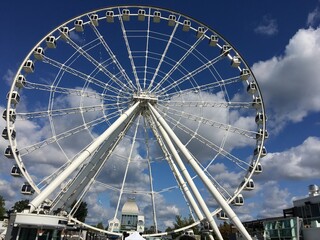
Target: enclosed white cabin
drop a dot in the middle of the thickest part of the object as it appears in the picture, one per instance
(38, 53)
(235, 62)
(64, 32)
(78, 25)
(94, 19)
(200, 32)
(186, 25)
(125, 14)
(258, 168)
(257, 150)
(256, 102)
(51, 42)
(28, 66)
(172, 20)
(249, 185)
(156, 16)
(141, 14)
(238, 200)
(245, 74)
(114, 225)
(15, 97)
(259, 134)
(109, 16)
(12, 115)
(213, 40)
(259, 118)
(15, 171)
(252, 88)
(9, 153)
(225, 50)
(5, 133)
(26, 189)
(20, 81)
(222, 215)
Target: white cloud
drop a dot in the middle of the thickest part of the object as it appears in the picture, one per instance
(314, 18)
(290, 83)
(268, 26)
(300, 162)
(8, 77)
(274, 200)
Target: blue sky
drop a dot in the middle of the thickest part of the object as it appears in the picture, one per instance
(279, 40)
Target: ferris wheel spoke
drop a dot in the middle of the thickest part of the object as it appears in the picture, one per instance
(80, 93)
(113, 56)
(147, 50)
(164, 54)
(129, 51)
(200, 138)
(204, 104)
(190, 75)
(178, 64)
(209, 87)
(98, 65)
(69, 91)
(77, 73)
(59, 112)
(70, 132)
(127, 166)
(209, 122)
(152, 193)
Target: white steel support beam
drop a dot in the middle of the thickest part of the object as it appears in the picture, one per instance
(215, 193)
(176, 172)
(83, 179)
(186, 174)
(81, 158)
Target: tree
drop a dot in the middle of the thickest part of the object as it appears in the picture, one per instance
(100, 225)
(182, 222)
(20, 205)
(2, 207)
(81, 212)
(150, 230)
(225, 230)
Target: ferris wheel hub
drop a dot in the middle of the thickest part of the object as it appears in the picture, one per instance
(145, 97)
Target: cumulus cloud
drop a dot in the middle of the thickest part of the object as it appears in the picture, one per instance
(290, 82)
(268, 26)
(300, 162)
(274, 200)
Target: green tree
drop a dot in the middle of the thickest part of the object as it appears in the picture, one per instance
(20, 205)
(225, 230)
(2, 207)
(81, 212)
(150, 230)
(100, 225)
(182, 222)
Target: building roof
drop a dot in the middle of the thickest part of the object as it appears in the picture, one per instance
(130, 207)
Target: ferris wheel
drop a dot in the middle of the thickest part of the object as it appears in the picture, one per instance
(136, 102)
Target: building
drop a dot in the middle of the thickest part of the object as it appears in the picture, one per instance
(307, 208)
(301, 222)
(131, 219)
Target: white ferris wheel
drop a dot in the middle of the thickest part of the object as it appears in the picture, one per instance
(136, 102)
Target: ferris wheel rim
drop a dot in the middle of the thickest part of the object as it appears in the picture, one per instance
(9, 104)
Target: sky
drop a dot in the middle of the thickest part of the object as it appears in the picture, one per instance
(279, 40)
